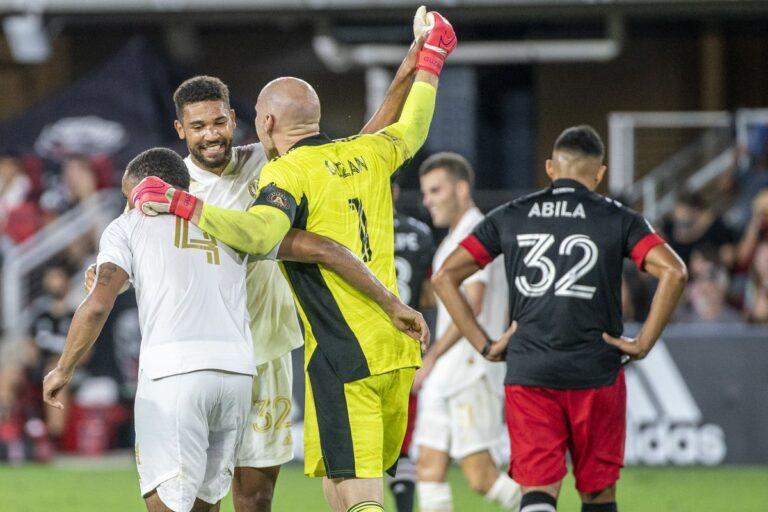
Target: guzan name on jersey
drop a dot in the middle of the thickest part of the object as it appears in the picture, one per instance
(557, 209)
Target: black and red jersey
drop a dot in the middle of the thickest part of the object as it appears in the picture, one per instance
(414, 248)
(563, 249)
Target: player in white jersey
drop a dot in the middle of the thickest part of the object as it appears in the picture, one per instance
(226, 176)
(461, 418)
(196, 363)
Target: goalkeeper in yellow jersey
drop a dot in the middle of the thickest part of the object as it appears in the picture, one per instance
(359, 367)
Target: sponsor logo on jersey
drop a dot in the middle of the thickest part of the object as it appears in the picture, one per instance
(557, 209)
(664, 422)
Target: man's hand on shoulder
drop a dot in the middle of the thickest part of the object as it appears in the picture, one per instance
(153, 196)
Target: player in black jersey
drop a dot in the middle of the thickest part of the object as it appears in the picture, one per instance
(414, 248)
(563, 249)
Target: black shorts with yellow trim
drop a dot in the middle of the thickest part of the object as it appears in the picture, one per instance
(354, 429)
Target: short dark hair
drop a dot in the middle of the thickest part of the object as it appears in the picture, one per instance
(581, 139)
(454, 164)
(199, 88)
(163, 163)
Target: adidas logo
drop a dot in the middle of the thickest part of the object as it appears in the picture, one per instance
(664, 423)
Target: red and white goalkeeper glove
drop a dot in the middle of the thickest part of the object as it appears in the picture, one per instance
(440, 39)
(153, 196)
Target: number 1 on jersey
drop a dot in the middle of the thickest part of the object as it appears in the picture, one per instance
(356, 205)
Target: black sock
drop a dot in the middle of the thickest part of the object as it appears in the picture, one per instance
(403, 491)
(599, 507)
(538, 498)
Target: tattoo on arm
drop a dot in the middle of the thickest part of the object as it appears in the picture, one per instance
(104, 273)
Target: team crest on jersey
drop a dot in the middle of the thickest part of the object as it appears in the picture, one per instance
(557, 209)
(253, 188)
(278, 199)
(274, 196)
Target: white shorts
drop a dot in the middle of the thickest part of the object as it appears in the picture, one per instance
(267, 441)
(468, 422)
(188, 430)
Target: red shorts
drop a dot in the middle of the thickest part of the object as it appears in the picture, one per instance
(412, 403)
(590, 423)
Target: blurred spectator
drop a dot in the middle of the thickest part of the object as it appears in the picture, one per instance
(746, 182)
(77, 181)
(693, 224)
(707, 292)
(756, 295)
(80, 178)
(636, 293)
(756, 230)
(15, 185)
(19, 217)
(51, 316)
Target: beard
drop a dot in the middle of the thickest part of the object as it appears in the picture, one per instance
(219, 160)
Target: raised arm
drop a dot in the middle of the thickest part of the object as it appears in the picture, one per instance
(304, 247)
(666, 266)
(411, 129)
(392, 106)
(86, 325)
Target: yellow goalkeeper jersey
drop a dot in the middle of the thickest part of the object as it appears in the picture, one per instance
(341, 190)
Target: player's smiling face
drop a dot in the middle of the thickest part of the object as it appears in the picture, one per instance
(440, 197)
(208, 127)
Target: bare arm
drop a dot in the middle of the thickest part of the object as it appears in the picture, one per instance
(427, 299)
(459, 266)
(666, 266)
(474, 293)
(305, 247)
(392, 106)
(86, 325)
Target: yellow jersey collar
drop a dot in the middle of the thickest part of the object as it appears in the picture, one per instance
(312, 140)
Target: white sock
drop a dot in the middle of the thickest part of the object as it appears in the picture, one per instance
(505, 492)
(434, 496)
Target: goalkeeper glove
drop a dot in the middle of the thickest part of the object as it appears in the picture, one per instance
(152, 196)
(440, 39)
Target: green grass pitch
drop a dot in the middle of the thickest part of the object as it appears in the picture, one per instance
(84, 487)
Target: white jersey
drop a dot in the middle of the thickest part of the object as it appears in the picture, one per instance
(462, 365)
(274, 322)
(190, 291)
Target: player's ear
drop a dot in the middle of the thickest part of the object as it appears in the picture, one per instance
(549, 165)
(464, 189)
(179, 129)
(600, 174)
(233, 118)
(269, 123)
